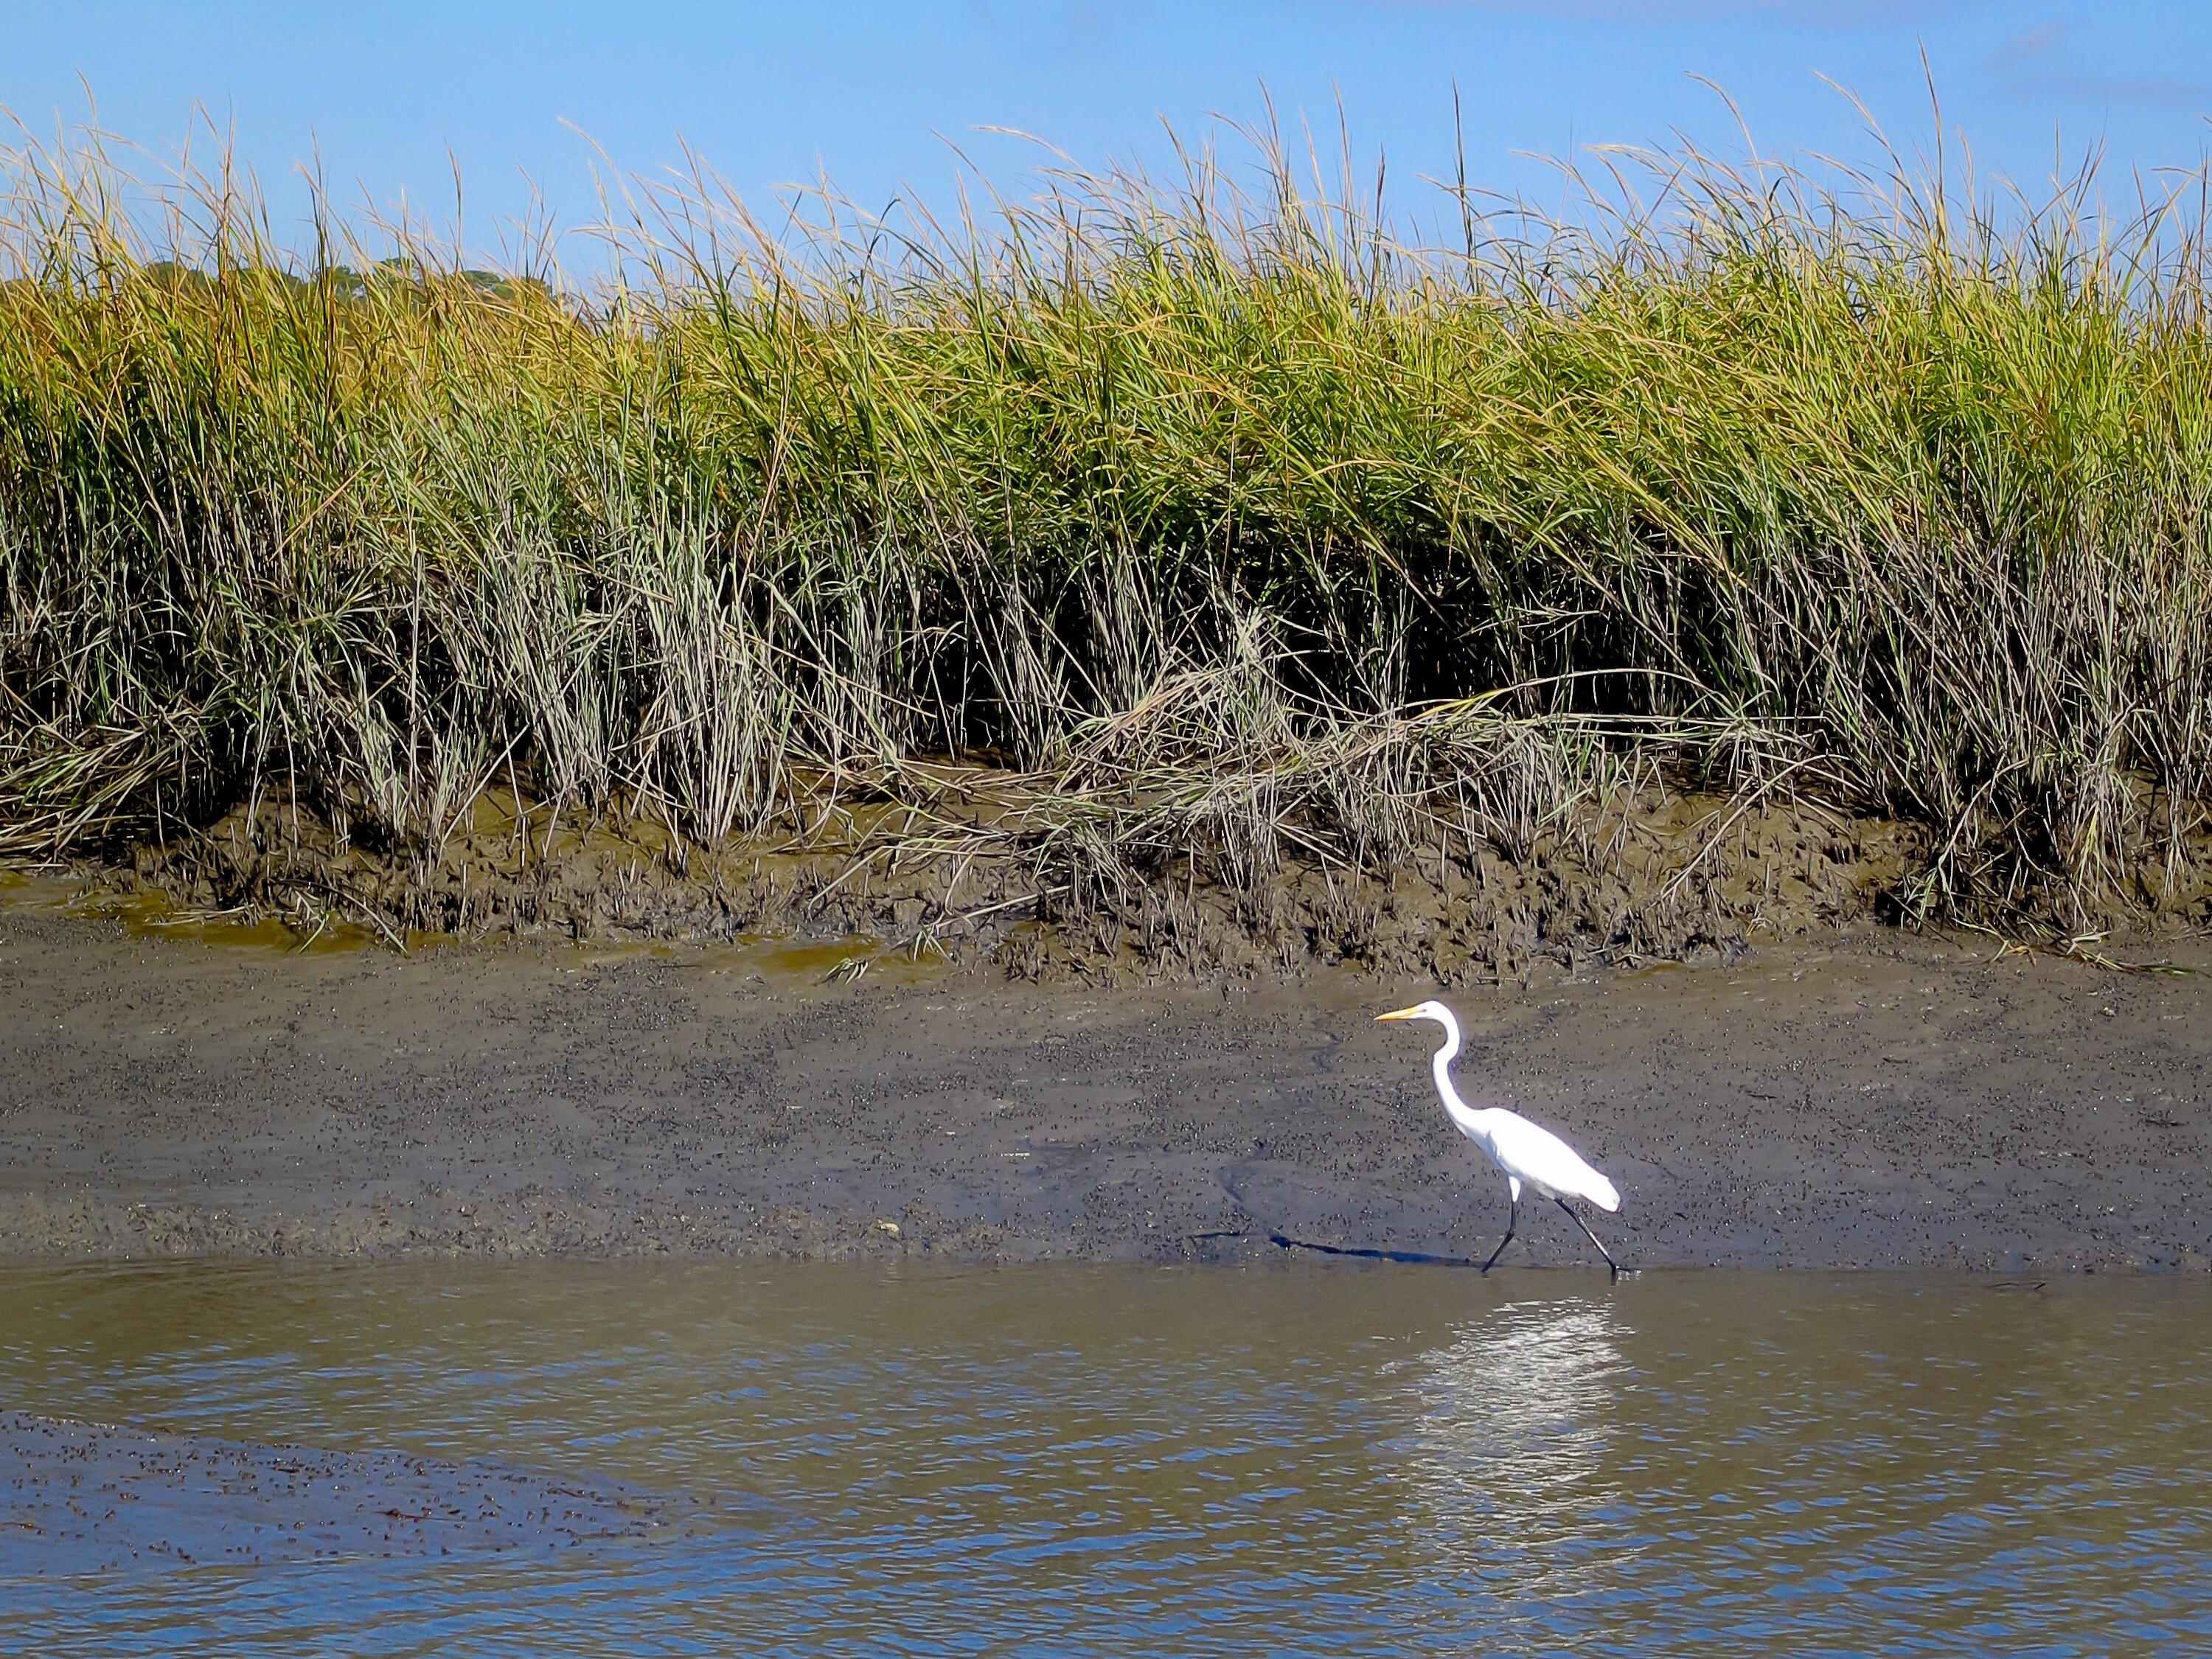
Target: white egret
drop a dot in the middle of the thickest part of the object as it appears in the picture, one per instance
(1523, 1151)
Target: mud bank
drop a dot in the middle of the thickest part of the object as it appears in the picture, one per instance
(81, 1497)
(1656, 876)
(1883, 1102)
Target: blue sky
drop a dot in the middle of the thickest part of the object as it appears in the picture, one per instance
(871, 94)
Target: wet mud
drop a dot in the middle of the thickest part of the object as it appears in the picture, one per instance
(89, 1498)
(1665, 877)
(1876, 1101)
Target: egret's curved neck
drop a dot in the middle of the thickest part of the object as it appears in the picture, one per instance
(1440, 1065)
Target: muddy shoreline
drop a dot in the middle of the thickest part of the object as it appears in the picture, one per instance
(1879, 1100)
(91, 1497)
(1653, 876)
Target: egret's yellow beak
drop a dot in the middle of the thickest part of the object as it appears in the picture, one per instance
(1400, 1013)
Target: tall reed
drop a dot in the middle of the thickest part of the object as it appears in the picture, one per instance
(1878, 490)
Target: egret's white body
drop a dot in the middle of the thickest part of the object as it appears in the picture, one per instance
(1524, 1152)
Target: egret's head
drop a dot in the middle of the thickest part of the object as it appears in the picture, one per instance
(1435, 1011)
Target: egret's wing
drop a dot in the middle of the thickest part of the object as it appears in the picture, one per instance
(1540, 1158)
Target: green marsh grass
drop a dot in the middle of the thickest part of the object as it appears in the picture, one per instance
(1207, 521)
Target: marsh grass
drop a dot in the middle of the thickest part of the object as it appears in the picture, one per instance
(1222, 526)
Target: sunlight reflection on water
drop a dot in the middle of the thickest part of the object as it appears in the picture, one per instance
(1507, 1459)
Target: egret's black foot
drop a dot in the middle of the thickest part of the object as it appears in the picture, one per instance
(1565, 1210)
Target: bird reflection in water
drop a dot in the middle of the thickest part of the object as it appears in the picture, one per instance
(1508, 1455)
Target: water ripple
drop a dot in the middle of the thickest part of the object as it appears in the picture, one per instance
(1083, 1461)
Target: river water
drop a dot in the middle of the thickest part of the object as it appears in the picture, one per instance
(840, 1459)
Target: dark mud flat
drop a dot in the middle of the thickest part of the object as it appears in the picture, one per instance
(78, 1498)
(1884, 1103)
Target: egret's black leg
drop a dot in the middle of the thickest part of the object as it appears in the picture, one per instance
(1511, 1227)
(1590, 1236)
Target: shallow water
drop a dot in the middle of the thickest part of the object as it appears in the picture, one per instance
(1081, 1460)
